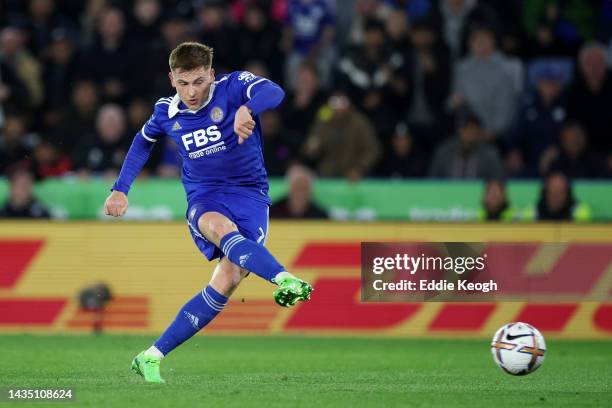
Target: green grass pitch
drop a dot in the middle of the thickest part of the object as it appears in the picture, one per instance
(305, 372)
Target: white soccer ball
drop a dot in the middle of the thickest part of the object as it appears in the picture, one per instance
(518, 348)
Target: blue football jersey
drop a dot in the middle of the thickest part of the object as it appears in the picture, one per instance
(212, 158)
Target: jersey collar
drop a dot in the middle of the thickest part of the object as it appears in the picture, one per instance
(173, 109)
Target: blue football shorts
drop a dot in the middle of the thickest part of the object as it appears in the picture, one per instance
(250, 216)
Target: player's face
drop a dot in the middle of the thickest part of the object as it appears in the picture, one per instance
(192, 86)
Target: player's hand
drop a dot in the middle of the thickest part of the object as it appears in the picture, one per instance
(243, 124)
(116, 204)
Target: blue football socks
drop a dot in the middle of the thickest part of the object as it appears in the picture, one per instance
(192, 317)
(250, 255)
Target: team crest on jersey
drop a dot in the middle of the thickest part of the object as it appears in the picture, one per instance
(216, 114)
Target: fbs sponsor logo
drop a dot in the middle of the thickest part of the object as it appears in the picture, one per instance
(201, 138)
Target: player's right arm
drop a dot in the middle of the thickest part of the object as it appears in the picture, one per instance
(117, 202)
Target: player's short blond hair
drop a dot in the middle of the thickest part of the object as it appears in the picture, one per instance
(190, 55)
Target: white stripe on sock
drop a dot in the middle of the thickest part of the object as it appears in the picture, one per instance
(209, 301)
(216, 302)
(229, 241)
(210, 304)
(229, 249)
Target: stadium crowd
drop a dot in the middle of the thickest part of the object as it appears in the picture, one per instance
(488, 89)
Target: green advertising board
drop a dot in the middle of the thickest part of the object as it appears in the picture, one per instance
(415, 200)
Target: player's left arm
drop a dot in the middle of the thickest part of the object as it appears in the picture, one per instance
(257, 95)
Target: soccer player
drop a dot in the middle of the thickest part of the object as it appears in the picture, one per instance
(216, 127)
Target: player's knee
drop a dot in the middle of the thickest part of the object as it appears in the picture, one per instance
(227, 277)
(215, 226)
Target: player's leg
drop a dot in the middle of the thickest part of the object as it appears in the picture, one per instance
(193, 316)
(226, 277)
(252, 256)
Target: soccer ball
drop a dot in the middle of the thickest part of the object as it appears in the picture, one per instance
(518, 348)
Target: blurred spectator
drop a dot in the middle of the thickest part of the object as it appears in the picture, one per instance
(365, 72)
(111, 61)
(557, 202)
(495, 206)
(396, 29)
(42, 20)
(214, 30)
(145, 27)
(401, 69)
(590, 97)
(299, 202)
(426, 85)
(302, 104)
(89, 18)
(16, 56)
(356, 17)
(21, 202)
(342, 142)
(538, 122)
(467, 156)
(416, 9)
(13, 93)
(308, 35)
(404, 158)
(277, 152)
(555, 27)
(15, 142)
(486, 83)
(457, 17)
(105, 151)
(48, 161)
(508, 14)
(258, 40)
(144, 32)
(78, 120)
(138, 112)
(574, 158)
(60, 69)
(174, 30)
(277, 9)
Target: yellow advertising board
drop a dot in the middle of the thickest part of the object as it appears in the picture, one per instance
(153, 268)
